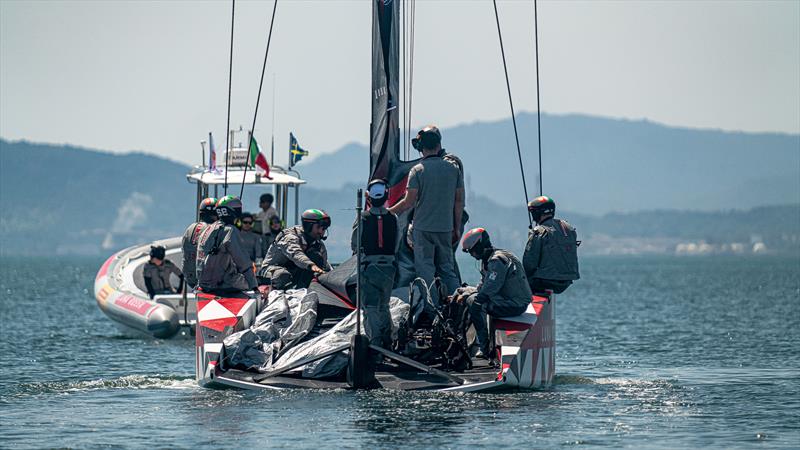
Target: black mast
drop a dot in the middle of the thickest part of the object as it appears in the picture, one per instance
(385, 126)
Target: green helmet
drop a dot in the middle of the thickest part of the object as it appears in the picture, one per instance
(312, 216)
(540, 206)
(229, 208)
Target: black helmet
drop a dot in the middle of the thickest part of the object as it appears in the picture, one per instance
(229, 208)
(377, 192)
(312, 216)
(427, 138)
(206, 208)
(541, 206)
(476, 241)
(157, 251)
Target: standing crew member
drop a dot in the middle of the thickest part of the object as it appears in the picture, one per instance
(436, 192)
(551, 254)
(379, 238)
(157, 271)
(190, 237)
(298, 253)
(267, 211)
(503, 290)
(223, 268)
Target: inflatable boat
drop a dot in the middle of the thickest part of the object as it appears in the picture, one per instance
(119, 285)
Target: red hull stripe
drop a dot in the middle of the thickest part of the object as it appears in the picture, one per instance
(220, 324)
(104, 269)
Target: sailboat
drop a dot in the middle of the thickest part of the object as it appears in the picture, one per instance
(525, 343)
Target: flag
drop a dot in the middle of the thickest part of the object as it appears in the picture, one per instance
(257, 159)
(212, 154)
(296, 153)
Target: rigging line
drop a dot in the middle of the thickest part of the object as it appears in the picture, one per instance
(538, 108)
(258, 98)
(228, 123)
(511, 104)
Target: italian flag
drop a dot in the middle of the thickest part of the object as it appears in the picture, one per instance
(257, 159)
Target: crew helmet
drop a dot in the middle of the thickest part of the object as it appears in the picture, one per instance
(541, 206)
(476, 241)
(312, 216)
(206, 209)
(158, 251)
(377, 192)
(229, 208)
(427, 138)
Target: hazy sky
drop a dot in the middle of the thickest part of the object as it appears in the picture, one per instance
(152, 75)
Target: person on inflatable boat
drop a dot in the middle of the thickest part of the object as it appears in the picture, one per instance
(192, 234)
(551, 254)
(223, 267)
(502, 292)
(298, 253)
(157, 272)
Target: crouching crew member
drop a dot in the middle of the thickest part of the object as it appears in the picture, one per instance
(192, 234)
(503, 290)
(157, 271)
(223, 267)
(298, 253)
(379, 238)
(551, 254)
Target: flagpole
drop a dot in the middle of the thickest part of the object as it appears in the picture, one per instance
(272, 150)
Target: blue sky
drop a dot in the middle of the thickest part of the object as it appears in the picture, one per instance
(152, 76)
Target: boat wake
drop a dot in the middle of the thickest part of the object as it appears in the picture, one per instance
(125, 382)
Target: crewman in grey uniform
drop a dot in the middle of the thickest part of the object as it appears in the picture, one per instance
(157, 271)
(436, 192)
(551, 254)
(379, 240)
(251, 241)
(298, 253)
(192, 234)
(502, 292)
(223, 268)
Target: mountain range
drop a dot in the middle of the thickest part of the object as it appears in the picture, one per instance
(629, 187)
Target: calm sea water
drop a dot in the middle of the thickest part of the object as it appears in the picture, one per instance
(652, 352)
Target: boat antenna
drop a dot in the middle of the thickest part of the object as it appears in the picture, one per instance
(511, 104)
(258, 99)
(538, 108)
(228, 123)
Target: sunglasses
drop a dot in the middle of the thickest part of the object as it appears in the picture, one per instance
(247, 222)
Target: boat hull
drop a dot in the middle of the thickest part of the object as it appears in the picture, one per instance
(526, 344)
(123, 301)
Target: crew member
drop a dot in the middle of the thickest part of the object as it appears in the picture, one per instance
(157, 271)
(192, 234)
(436, 192)
(251, 241)
(275, 228)
(551, 254)
(503, 290)
(267, 211)
(223, 267)
(298, 253)
(379, 238)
